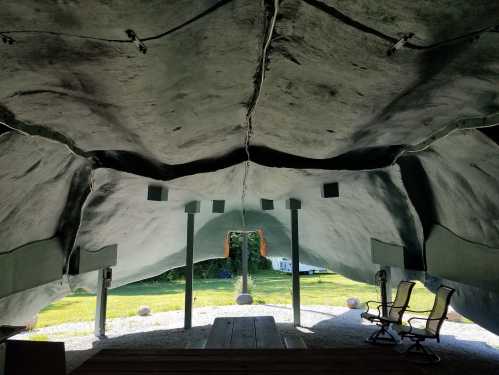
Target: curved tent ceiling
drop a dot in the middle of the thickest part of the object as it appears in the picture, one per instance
(241, 100)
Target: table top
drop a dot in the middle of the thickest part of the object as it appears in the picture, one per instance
(257, 332)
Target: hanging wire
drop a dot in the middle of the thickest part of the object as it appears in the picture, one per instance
(488, 121)
(315, 3)
(252, 106)
(369, 30)
(130, 40)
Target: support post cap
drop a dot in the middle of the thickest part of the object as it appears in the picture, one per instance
(293, 204)
(193, 207)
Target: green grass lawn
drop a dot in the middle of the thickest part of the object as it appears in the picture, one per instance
(270, 287)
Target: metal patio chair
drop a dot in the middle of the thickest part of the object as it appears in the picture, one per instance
(393, 316)
(432, 327)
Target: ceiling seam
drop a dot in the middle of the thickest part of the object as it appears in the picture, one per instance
(135, 163)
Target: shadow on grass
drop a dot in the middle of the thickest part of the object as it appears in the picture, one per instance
(263, 283)
(165, 288)
(62, 304)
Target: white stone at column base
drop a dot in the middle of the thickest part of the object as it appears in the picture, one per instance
(244, 299)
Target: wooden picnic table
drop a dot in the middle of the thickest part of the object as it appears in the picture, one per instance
(258, 332)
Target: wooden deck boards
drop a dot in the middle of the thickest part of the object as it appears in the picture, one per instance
(373, 361)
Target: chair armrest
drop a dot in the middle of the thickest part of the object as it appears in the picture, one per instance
(379, 304)
(410, 324)
(426, 319)
(367, 305)
(380, 313)
(418, 311)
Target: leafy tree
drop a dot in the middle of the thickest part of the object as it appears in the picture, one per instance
(212, 268)
(255, 260)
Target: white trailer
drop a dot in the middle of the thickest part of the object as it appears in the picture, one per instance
(284, 265)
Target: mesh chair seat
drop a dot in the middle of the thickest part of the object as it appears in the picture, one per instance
(418, 332)
(376, 317)
(368, 316)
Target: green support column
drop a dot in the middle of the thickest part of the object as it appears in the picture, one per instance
(294, 205)
(244, 254)
(244, 298)
(386, 290)
(191, 208)
(103, 283)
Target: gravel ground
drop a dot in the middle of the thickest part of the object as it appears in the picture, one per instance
(464, 348)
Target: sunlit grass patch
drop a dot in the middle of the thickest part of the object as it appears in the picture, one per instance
(38, 337)
(269, 287)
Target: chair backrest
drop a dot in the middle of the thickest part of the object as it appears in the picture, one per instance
(401, 301)
(439, 310)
